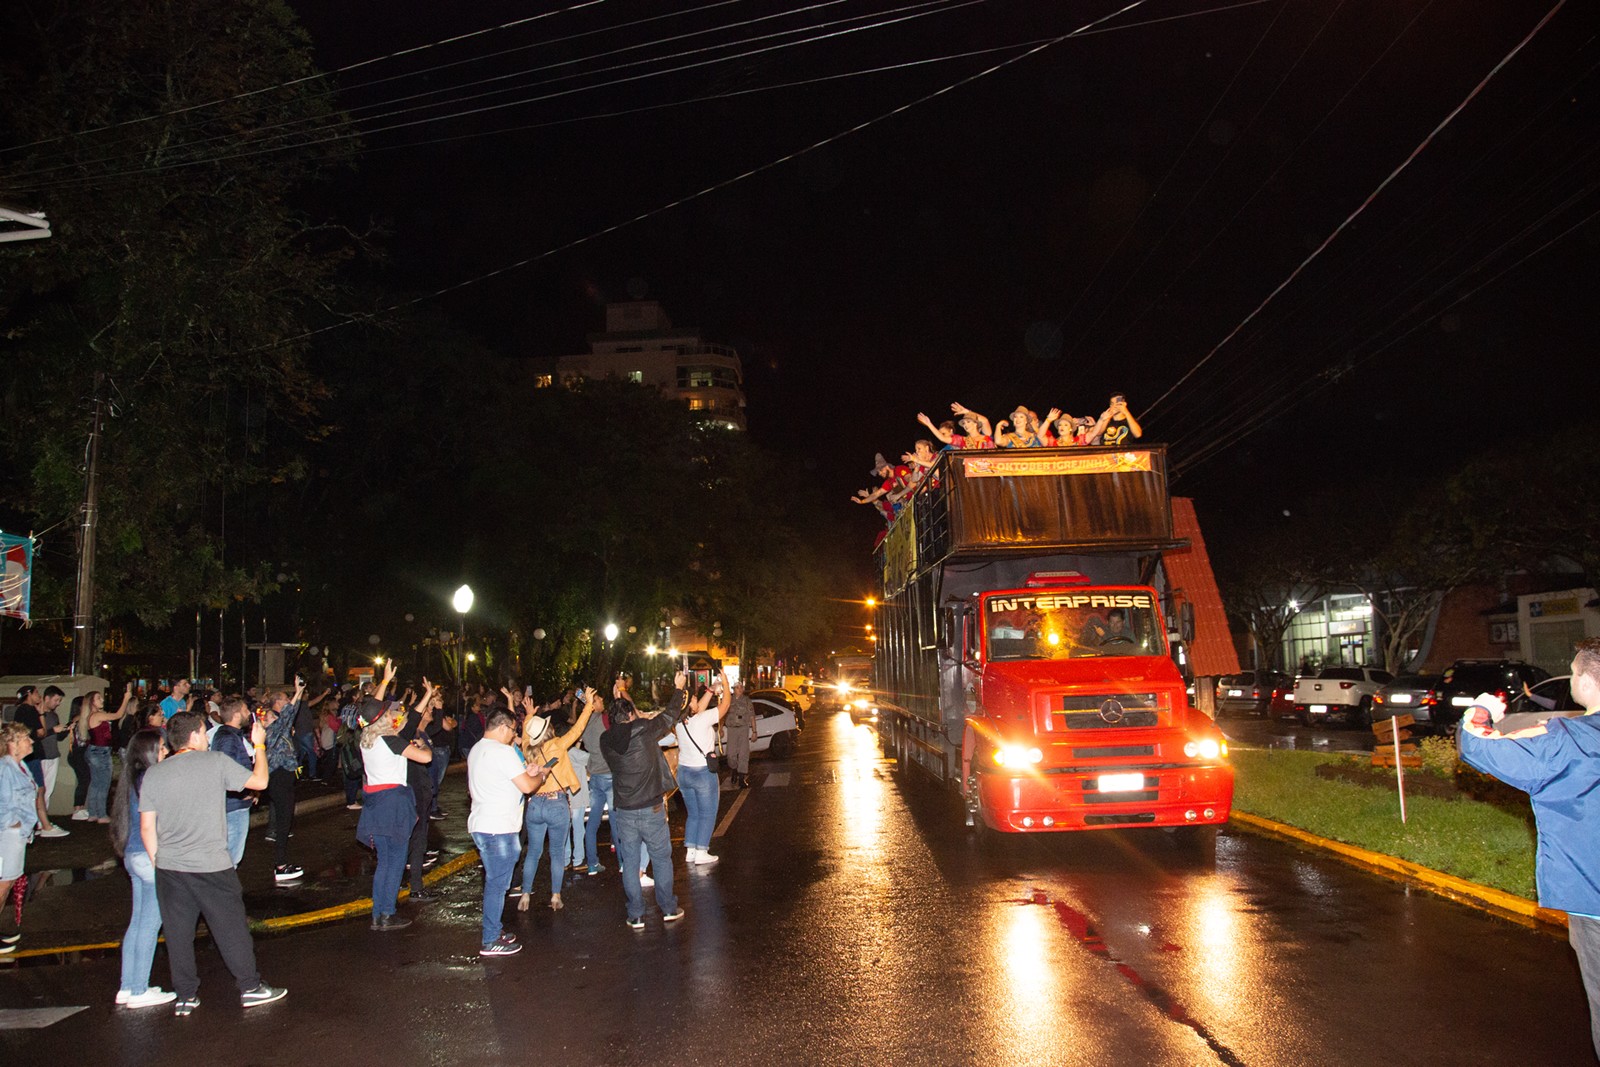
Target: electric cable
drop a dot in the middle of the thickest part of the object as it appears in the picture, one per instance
(1349, 219)
(714, 187)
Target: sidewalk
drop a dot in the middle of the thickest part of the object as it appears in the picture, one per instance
(78, 893)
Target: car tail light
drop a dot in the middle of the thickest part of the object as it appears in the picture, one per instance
(1501, 693)
(1377, 698)
(1254, 693)
(1347, 685)
(1430, 698)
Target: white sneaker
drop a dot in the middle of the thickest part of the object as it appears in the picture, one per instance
(152, 997)
(80, 816)
(55, 831)
(706, 859)
(122, 996)
(645, 881)
(691, 856)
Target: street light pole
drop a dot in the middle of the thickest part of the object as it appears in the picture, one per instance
(462, 602)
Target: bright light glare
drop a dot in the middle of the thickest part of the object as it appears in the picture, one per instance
(378, 660)
(462, 601)
(1053, 638)
(472, 657)
(1205, 748)
(1017, 756)
(649, 650)
(611, 631)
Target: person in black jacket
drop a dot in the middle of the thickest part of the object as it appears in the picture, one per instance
(640, 780)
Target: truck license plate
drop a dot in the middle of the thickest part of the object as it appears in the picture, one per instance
(1122, 783)
(1318, 709)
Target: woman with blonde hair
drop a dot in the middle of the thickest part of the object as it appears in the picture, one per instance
(547, 813)
(19, 815)
(388, 807)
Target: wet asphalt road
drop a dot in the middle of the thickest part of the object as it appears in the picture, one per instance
(853, 920)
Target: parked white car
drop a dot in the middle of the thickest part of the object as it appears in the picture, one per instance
(776, 729)
(1339, 692)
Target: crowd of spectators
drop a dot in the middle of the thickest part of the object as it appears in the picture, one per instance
(195, 764)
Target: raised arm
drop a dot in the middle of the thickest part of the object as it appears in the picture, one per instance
(388, 678)
(983, 423)
(572, 736)
(942, 435)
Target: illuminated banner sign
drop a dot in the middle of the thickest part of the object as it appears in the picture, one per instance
(16, 586)
(1070, 600)
(1022, 465)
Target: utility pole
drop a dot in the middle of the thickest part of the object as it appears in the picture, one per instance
(83, 643)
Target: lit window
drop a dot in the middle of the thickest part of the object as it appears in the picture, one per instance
(543, 381)
(636, 376)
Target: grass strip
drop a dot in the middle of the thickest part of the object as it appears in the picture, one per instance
(1481, 842)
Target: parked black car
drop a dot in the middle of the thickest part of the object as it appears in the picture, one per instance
(1249, 692)
(1466, 678)
(1416, 695)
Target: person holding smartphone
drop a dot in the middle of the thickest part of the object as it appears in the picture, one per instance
(547, 815)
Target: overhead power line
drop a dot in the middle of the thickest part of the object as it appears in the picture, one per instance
(1349, 219)
(716, 186)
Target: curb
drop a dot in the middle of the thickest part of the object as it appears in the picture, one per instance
(333, 913)
(1483, 897)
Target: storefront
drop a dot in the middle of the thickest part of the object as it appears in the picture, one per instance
(1549, 624)
(1337, 629)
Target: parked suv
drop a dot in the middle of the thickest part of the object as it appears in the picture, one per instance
(1249, 692)
(1466, 678)
(1339, 692)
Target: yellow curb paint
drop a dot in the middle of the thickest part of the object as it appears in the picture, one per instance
(283, 922)
(1484, 897)
(364, 904)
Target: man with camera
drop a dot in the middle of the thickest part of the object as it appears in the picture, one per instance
(640, 782)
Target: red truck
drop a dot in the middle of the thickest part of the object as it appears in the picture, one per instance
(1036, 626)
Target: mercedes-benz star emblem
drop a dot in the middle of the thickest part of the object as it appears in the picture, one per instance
(1111, 710)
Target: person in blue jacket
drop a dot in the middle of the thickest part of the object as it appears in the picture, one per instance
(1557, 763)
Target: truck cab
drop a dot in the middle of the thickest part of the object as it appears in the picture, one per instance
(1079, 716)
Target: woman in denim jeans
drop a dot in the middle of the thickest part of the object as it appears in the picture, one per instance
(547, 813)
(697, 737)
(144, 751)
(92, 730)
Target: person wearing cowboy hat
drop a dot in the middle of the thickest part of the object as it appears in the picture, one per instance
(547, 813)
(1024, 432)
(887, 496)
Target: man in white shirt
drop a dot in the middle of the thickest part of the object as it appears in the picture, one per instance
(498, 780)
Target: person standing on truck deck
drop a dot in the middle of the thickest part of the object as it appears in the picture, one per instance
(1117, 427)
(1557, 764)
(740, 722)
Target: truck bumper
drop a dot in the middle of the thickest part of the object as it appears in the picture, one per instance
(1042, 802)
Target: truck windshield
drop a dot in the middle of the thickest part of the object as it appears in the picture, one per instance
(1073, 626)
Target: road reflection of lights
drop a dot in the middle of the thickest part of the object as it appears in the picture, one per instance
(862, 791)
(1214, 941)
(1022, 1022)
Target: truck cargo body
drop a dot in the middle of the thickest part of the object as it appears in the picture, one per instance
(1024, 655)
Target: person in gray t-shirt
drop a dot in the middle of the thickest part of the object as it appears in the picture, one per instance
(183, 825)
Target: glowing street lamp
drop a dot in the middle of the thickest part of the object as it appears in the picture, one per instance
(462, 602)
(611, 631)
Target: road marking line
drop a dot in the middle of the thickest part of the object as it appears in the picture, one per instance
(738, 802)
(36, 1018)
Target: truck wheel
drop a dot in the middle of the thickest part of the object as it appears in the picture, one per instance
(783, 744)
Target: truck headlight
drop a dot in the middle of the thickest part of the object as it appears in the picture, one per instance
(1205, 748)
(1017, 756)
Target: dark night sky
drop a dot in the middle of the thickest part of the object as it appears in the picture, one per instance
(989, 245)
